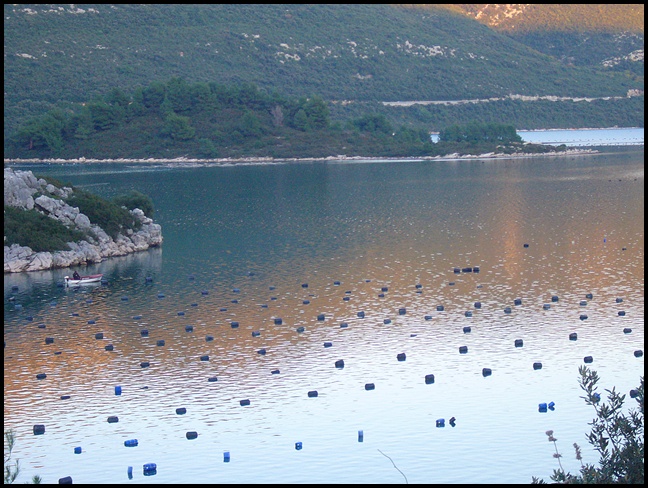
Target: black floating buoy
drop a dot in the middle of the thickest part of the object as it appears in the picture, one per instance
(346, 299)
(99, 335)
(49, 340)
(189, 328)
(234, 324)
(451, 283)
(213, 379)
(113, 419)
(537, 365)
(343, 325)
(370, 386)
(321, 317)
(67, 480)
(300, 329)
(91, 322)
(261, 351)
(554, 298)
(256, 333)
(205, 292)
(387, 321)
(526, 245)
(627, 330)
(41, 326)
(41, 376)
(181, 313)
(463, 349)
(39, 429)
(145, 364)
(361, 314)
(589, 296)
(573, 336)
(312, 394)
(466, 270)
(519, 343)
(192, 434)
(401, 356)
(65, 397)
(204, 358)
(517, 301)
(429, 379)
(181, 410)
(305, 302)
(244, 402)
(467, 329)
(384, 288)
(109, 347)
(583, 316)
(619, 300)
(402, 311)
(418, 286)
(507, 310)
(477, 304)
(160, 342)
(339, 363)
(278, 321)
(144, 332)
(546, 306)
(328, 344)
(638, 353)
(209, 338)
(621, 313)
(380, 295)
(475, 269)
(468, 313)
(456, 270)
(336, 282)
(274, 371)
(487, 372)
(439, 308)
(588, 359)
(304, 285)
(428, 317)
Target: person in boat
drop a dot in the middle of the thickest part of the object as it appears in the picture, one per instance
(76, 275)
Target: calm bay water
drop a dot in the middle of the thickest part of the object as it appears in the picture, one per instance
(249, 244)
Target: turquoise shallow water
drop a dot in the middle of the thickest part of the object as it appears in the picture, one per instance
(248, 245)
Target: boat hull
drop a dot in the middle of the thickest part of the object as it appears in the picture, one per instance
(84, 280)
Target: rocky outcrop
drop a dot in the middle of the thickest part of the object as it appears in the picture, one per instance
(23, 190)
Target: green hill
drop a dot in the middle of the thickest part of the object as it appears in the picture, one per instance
(67, 55)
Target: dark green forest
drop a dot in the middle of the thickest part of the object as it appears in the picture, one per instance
(62, 56)
(209, 121)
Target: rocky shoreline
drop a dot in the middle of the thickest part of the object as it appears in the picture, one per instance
(271, 160)
(20, 188)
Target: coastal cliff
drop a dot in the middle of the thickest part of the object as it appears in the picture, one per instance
(23, 190)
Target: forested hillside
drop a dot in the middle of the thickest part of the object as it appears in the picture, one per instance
(67, 55)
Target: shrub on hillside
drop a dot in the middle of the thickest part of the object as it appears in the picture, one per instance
(134, 199)
(32, 229)
(112, 218)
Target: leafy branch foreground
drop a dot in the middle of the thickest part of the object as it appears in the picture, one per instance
(617, 436)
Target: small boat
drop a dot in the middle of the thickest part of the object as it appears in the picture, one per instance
(84, 279)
